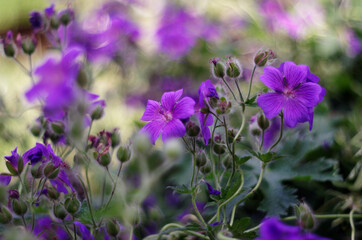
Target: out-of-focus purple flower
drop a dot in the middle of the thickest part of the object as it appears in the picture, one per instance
(166, 116)
(49, 11)
(272, 229)
(83, 231)
(294, 94)
(206, 92)
(5, 179)
(298, 22)
(46, 229)
(13, 193)
(211, 190)
(109, 32)
(36, 20)
(57, 84)
(179, 30)
(354, 43)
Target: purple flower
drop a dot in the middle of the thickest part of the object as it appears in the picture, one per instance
(83, 231)
(206, 92)
(13, 160)
(210, 189)
(43, 154)
(354, 43)
(57, 84)
(49, 11)
(5, 179)
(165, 116)
(36, 21)
(295, 93)
(272, 229)
(46, 229)
(179, 30)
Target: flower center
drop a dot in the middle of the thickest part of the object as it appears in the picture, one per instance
(168, 116)
(289, 93)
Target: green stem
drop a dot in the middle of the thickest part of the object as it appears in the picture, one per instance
(88, 201)
(178, 226)
(193, 170)
(262, 140)
(41, 190)
(31, 70)
(75, 230)
(197, 210)
(353, 230)
(231, 198)
(281, 132)
(251, 82)
(249, 194)
(24, 222)
(240, 95)
(67, 229)
(229, 89)
(103, 189)
(114, 186)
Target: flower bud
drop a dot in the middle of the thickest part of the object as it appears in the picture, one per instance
(51, 171)
(5, 215)
(35, 130)
(234, 69)
(112, 227)
(264, 57)
(123, 153)
(227, 162)
(54, 22)
(37, 170)
(263, 122)
(58, 127)
(53, 193)
(82, 78)
(72, 205)
(19, 207)
(98, 112)
(305, 216)
(37, 21)
(173, 149)
(11, 168)
(217, 68)
(201, 159)
(9, 45)
(13, 194)
(105, 159)
(66, 16)
(115, 138)
(192, 129)
(28, 44)
(20, 164)
(59, 211)
(219, 147)
(223, 106)
(232, 135)
(206, 169)
(142, 144)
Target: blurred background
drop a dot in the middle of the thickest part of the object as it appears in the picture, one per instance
(168, 47)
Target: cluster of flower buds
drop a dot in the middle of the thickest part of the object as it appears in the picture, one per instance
(230, 67)
(55, 131)
(219, 146)
(223, 106)
(192, 129)
(27, 44)
(49, 19)
(264, 57)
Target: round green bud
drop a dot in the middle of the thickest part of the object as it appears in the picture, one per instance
(105, 159)
(58, 127)
(305, 216)
(53, 193)
(37, 170)
(112, 227)
(205, 169)
(263, 122)
(19, 207)
(5, 215)
(201, 159)
(51, 171)
(115, 138)
(72, 205)
(219, 148)
(59, 211)
(123, 153)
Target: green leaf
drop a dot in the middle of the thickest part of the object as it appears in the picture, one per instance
(242, 160)
(181, 189)
(239, 227)
(251, 102)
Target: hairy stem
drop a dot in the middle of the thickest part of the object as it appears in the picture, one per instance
(251, 83)
(281, 132)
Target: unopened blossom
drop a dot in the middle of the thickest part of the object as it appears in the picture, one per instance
(272, 229)
(270, 134)
(207, 91)
(295, 93)
(165, 116)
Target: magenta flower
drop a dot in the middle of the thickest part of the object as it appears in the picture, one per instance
(295, 93)
(165, 116)
(272, 229)
(206, 91)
